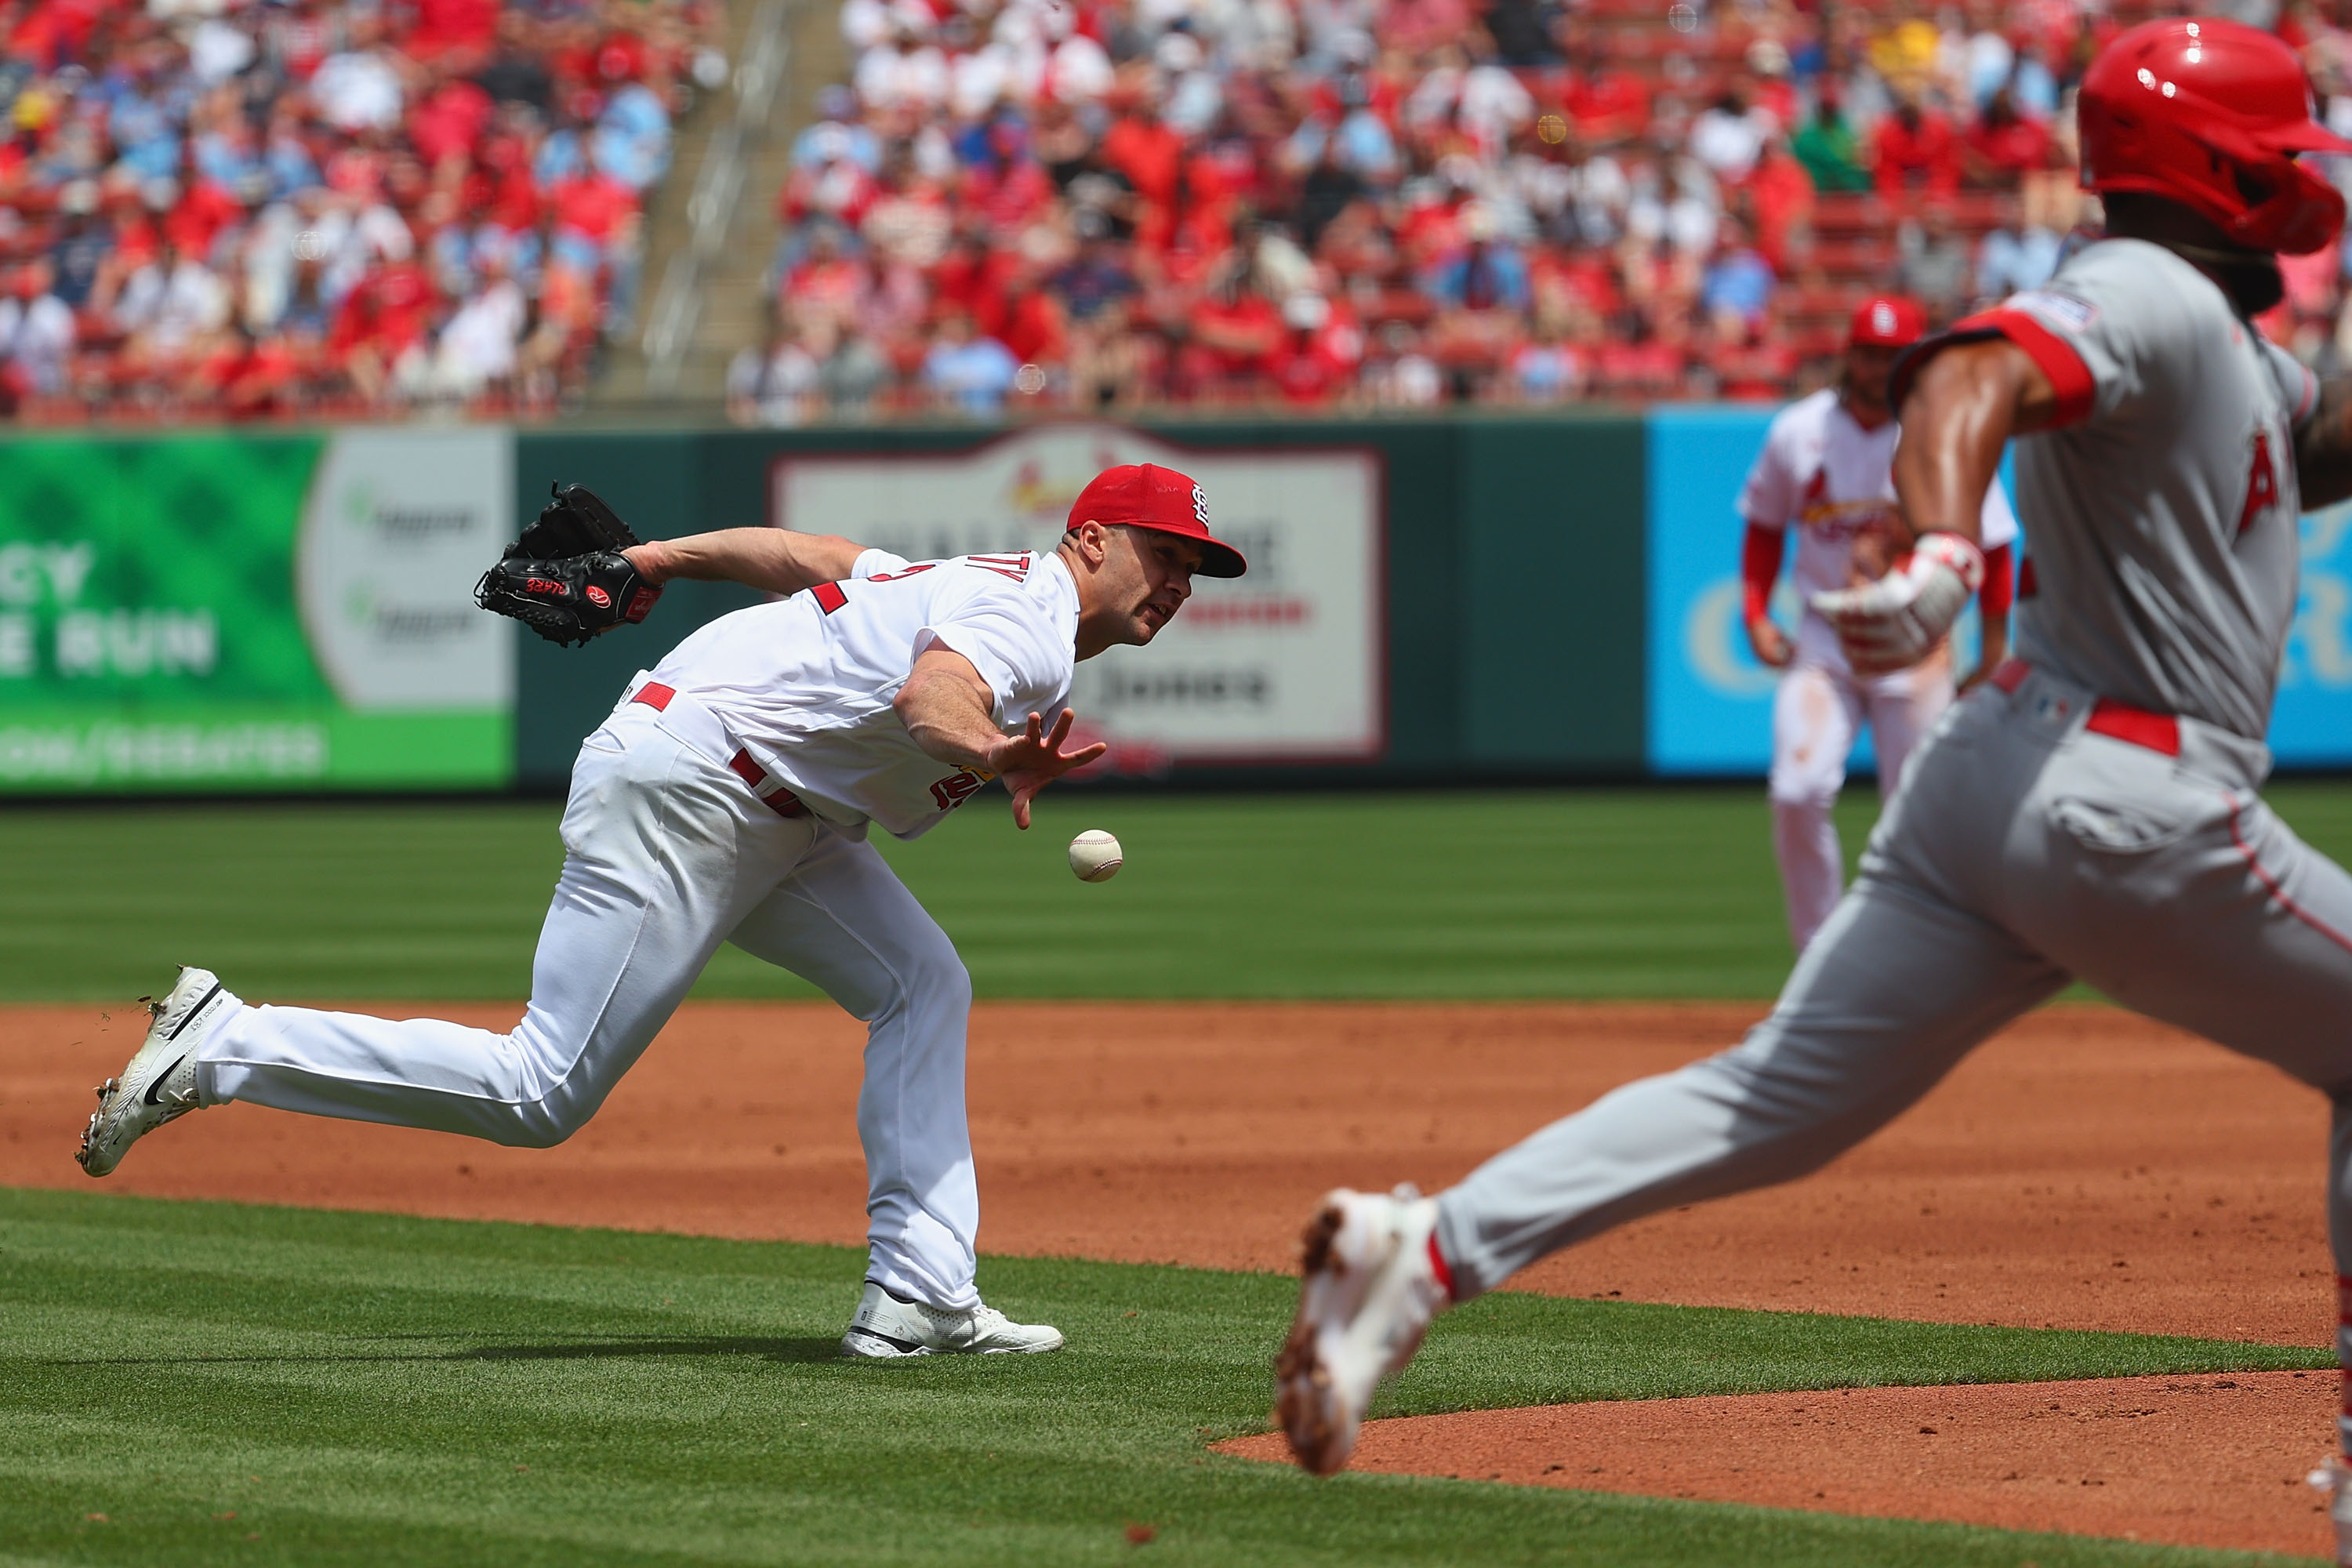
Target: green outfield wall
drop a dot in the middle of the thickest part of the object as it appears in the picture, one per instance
(1429, 600)
(1507, 555)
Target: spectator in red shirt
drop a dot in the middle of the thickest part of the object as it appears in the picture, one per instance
(381, 322)
(1233, 338)
(1914, 146)
(2003, 145)
(1150, 154)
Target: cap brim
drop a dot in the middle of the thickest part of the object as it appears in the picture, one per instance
(1218, 559)
(2308, 137)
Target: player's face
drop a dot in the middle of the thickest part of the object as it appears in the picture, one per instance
(1868, 368)
(1155, 578)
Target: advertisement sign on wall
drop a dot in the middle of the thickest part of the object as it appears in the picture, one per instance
(1710, 709)
(2312, 724)
(1284, 664)
(255, 611)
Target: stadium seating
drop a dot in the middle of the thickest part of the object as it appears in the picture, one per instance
(1106, 204)
(310, 208)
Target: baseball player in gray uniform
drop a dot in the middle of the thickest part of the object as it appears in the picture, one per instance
(2090, 812)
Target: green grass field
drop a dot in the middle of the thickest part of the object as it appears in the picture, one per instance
(199, 1383)
(193, 1382)
(1471, 896)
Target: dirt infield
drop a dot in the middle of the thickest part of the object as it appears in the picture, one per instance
(2192, 1461)
(2085, 1170)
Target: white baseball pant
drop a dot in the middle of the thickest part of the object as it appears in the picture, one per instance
(668, 854)
(1817, 713)
(2027, 848)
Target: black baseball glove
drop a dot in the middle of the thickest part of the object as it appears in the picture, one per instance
(565, 578)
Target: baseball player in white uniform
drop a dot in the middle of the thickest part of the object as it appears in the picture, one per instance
(2088, 813)
(1826, 474)
(727, 799)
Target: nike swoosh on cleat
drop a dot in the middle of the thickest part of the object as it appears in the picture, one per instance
(156, 1083)
(192, 1012)
(904, 1347)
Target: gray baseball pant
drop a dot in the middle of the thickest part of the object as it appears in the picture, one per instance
(2026, 848)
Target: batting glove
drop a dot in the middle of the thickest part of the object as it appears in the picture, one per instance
(1897, 621)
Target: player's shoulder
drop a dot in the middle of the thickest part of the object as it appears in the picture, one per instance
(1806, 420)
(2122, 283)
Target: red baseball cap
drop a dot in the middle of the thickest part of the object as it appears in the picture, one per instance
(1145, 495)
(1888, 322)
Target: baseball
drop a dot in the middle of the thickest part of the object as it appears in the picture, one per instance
(1094, 855)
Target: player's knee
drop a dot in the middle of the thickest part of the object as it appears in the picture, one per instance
(939, 977)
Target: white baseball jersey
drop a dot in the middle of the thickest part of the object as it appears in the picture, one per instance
(2166, 549)
(805, 684)
(1825, 475)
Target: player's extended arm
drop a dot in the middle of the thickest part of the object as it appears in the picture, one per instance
(774, 559)
(1965, 404)
(2323, 448)
(947, 708)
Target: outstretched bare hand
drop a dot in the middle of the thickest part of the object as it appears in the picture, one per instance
(1030, 761)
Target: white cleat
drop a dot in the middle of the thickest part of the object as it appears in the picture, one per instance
(887, 1326)
(2333, 1478)
(159, 1083)
(1368, 1298)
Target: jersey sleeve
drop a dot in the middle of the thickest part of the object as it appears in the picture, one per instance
(1011, 640)
(1769, 498)
(2103, 334)
(871, 562)
(2296, 384)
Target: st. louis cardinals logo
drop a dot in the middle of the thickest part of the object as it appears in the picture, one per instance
(1201, 506)
(959, 786)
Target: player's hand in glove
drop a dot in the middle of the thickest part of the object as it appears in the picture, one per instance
(566, 578)
(1897, 621)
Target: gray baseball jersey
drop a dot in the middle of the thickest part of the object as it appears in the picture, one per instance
(2162, 513)
(2090, 813)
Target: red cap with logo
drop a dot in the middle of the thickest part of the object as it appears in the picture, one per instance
(1888, 322)
(1145, 495)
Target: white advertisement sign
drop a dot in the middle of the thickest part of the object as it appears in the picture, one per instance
(397, 528)
(1285, 665)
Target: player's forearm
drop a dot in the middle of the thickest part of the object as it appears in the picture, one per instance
(947, 718)
(776, 560)
(2323, 448)
(1954, 426)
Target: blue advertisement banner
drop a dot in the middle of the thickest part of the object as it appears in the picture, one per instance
(2311, 727)
(1711, 708)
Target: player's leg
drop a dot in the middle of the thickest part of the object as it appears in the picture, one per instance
(1895, 990)
(843, 920)
(2190, 901)
(1898, 986)
(664, 852)
(1903, 707)
(1815, 714)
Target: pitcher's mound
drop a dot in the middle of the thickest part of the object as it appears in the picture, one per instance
(2215, 1461)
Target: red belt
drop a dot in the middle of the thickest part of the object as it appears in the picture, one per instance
(2117, 720)
(783, 801)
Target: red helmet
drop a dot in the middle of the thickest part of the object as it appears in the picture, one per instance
(1887, 321)
(2211, 113)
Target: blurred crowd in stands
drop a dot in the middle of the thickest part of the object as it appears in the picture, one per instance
(349, 208)
(1351, 204)
(325, 208)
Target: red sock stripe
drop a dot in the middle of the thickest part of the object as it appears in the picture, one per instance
(1441, 1268)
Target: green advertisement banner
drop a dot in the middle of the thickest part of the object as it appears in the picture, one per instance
(253, 612)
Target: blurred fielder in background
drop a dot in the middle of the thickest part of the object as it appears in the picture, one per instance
(1826, 473)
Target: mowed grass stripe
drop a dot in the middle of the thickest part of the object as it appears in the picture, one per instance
(1474, 895)
(676, 1399)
